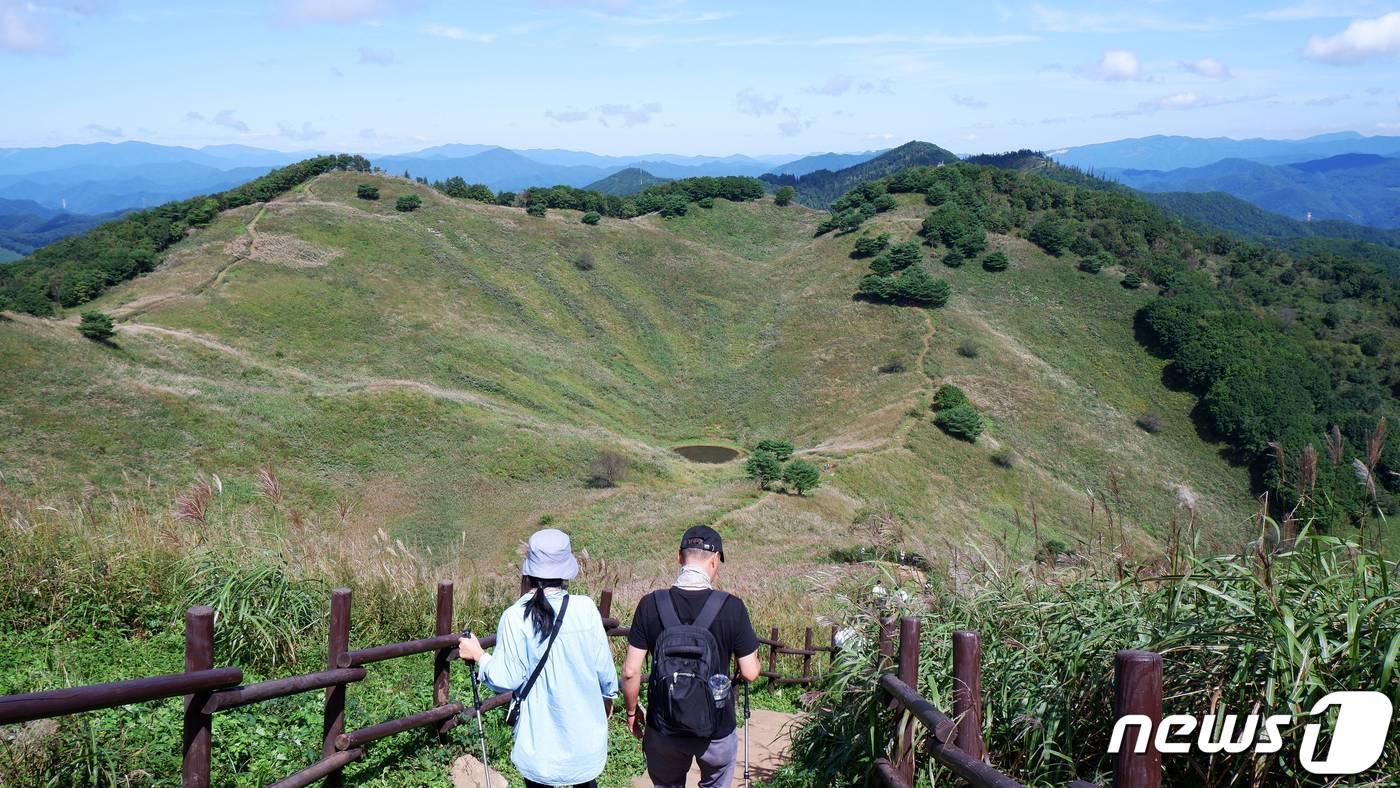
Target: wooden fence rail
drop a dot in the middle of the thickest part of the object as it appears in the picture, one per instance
(956, 742)
(208, 691)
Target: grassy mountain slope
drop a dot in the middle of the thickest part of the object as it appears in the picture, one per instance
(625, 182)
(447, 375)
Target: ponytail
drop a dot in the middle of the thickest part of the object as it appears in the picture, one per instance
(538, 610)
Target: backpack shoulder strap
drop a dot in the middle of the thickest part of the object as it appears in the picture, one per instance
(666, 608)
(710, 611)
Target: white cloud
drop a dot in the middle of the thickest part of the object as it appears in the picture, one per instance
(971, 102)
(228, 121)
(835, 86)
(1058, 20)
(306, 133)
(933, 40)
(194, 116)
(567, 116)
(459, 34)
(1308, 9)
(19, 30)
(1179, 102)
(375, 57)
(1327, 101)
(794, 123)
(343, 11)
(1363, 39)
(1207, 67)
(110, 132)
(751, 103)
(369, 134)
(1117, 65)
(630, 115)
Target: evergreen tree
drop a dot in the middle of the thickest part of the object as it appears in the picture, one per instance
(366, 191)
(801, 476)
(960, 421)
(96, 326)
(408, 203)
(1132, 281)
(784, 195)
(763, 468)
(592, 217)
(916, 285)
(871, 245)
(782, 449)
(996, 261)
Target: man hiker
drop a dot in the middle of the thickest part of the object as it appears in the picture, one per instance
(692, 632)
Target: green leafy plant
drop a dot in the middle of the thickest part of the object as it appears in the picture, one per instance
(96, 326)
(948, 396)
(591, 217)
(801, 476)
(408, 203)
(764, 468)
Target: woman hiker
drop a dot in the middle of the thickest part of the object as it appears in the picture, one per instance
(561, 731)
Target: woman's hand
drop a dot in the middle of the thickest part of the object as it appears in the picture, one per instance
(469, 648)
(637, 722)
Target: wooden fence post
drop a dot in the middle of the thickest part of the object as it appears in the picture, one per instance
(333, 714)
(773, 654)
(442, 660)
(967, 693)
(807, 658)
(1137, 689)
(909, 674)
(605, 603)
(886, 642)
(199, 727)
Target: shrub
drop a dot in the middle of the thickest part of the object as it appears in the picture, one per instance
(916, 285)
(904, 254)
(592, 217)
(953, 258)
(784, 195)
(96, 326)
(606, 470)
(781, 449)
(1132, 281)
(763, 468)
(882, 265)
(367, 192)
(996, 261)
(674, 205)
(1150, 422)
(1095, 263)
(801, 476)
(584, 261)
(892, 365)
(881, 288)
(706, 202)
(948, 396)
(885, 202)
(969, 349)
(1005, 458)
(1052, 234)
(408, 203)
(960, 421)
(871, 245)
(536, 208)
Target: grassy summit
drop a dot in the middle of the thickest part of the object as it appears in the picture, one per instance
(449, 374)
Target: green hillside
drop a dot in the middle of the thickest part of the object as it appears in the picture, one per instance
(821, 188)
(625, 183)
(449, 374)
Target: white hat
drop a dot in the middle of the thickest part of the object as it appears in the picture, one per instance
(550, 556)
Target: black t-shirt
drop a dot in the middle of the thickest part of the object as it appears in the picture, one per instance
(732, 630)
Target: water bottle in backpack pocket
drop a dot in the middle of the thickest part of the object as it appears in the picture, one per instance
(686, 657)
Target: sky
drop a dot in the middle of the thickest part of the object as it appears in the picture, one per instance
(683, 76)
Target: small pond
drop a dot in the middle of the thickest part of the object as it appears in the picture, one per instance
(707, 454)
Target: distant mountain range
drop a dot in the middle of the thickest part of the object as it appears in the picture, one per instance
(1170, 153)
(1356, 187)
(104, 177)
(26, 225)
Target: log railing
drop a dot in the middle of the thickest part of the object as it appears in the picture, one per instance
(208, 691)
(956, 743)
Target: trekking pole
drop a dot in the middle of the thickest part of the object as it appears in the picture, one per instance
(746, 734)
(480, 728)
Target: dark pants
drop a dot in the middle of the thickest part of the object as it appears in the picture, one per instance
(589, 784)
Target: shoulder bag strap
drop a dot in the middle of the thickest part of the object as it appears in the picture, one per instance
(520, 694)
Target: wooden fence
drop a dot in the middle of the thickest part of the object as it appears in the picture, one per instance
(208, 690)
(956, 742)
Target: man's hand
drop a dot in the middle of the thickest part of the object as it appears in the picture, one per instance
(469, 648)
(637, 722)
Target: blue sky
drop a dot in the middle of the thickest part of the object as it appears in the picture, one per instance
(634, 76)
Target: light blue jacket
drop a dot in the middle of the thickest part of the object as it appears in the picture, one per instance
(562, 735)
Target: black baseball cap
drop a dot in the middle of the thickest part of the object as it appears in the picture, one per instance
(703, 537)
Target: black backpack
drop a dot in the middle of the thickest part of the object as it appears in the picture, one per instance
(686, 656)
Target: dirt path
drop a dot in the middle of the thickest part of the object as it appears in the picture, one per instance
(770, 734)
